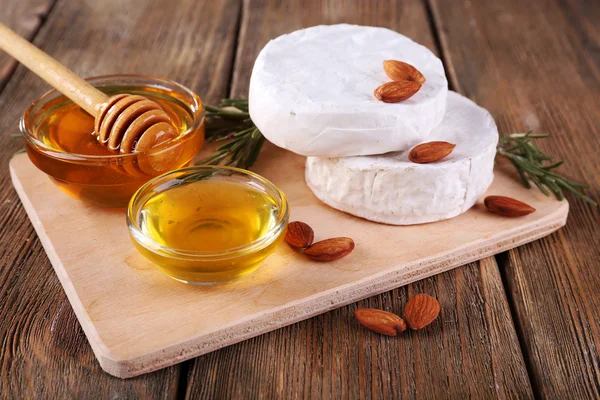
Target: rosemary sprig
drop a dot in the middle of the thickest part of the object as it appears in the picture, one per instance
(533, 165)
(231, 122)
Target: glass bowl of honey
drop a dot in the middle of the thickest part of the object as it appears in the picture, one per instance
(60, 140)
(208, 225)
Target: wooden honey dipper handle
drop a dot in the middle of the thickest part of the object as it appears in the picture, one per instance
(122, 122)
(57, 75)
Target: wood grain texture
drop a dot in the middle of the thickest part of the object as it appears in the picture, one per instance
(535, 65)
(43, 350)
(263, 20)
(24, 17)
(138, 320)
(47, 68)
(472, 350)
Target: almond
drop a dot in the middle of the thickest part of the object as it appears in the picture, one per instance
(421, 310)
(299, 235)
(395, 92)
(430, 152)
(380, 321)
(330, 249)
(507, 207)
(401, 71)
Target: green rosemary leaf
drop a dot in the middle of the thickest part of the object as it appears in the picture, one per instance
(521, 174)
(576, 184)
(528, 134)
(197, 177)
(553, 166)
(576, 192)
(539, 184)
(244, 132)
(255, 152)
(227, 146)
(240, 104)
(549, 182)
(212, 112)
(535, 165)
(231, 123)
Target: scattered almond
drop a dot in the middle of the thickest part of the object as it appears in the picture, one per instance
(397, 91)
(380, 321)
(421, 310)
(330, 249)
(299, 235)
(507, 206)
(430, 152)
(401, 71)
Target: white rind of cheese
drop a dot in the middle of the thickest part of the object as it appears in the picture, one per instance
(311, 92)
(391, 189)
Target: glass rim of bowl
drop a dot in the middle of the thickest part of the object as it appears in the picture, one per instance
(197, 109)
(140, 198)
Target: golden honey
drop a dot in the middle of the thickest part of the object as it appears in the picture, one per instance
(212, 230)
(60, 141)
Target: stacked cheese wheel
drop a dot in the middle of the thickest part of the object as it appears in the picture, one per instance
(311, 92)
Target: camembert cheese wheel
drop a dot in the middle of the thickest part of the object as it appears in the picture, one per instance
(391, 189)
(311, 92)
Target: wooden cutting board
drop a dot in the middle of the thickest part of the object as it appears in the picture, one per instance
(138, 320)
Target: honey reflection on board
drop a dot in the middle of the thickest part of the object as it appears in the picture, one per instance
(65, 130)
(209, 217)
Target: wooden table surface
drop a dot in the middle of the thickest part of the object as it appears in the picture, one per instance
(523, 324)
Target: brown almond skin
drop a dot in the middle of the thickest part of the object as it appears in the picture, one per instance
(380, 321)
(330, 249)
(401, 71)
(397, 91)
(421, 310)
(507, 206)
(430, 152)
(299, 235)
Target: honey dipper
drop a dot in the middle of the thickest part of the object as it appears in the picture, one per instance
(123, 122)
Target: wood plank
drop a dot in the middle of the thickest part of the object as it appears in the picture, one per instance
(534, 65)
(472, 350)
(157, 322)
(24, 17)
(44, 352)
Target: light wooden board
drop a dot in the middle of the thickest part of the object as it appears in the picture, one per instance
(138, 320)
